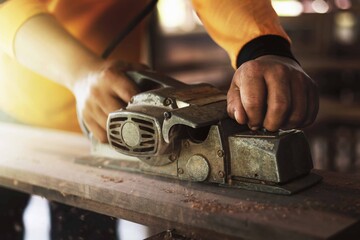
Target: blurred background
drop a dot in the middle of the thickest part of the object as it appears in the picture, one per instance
(325, 39)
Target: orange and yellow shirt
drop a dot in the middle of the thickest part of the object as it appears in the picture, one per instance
(35, 100)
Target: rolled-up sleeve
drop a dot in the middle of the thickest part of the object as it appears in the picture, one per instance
(13, 14)
(233, 23)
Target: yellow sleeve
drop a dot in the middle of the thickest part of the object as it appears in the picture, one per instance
(233, 23)
(13, 14)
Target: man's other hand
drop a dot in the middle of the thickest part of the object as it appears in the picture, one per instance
(272, 92)
(102, 92)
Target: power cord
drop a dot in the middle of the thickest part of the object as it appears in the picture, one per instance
(112, 46)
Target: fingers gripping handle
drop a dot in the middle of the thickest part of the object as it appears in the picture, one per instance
(145, 80)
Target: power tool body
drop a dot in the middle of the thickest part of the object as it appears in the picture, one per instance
(183, 131)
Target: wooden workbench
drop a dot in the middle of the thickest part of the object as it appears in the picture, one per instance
(42, 162)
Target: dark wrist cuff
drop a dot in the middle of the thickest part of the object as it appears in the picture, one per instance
(265, 45)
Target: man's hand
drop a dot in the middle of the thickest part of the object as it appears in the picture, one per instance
(272, 92)
(102, 92)
(100, 87)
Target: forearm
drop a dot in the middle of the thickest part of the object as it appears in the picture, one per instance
(233, 24)
(44, 46)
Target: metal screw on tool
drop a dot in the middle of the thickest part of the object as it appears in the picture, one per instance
(167, 115)
(169, 234)
(167, 102)
(172, 157)
(180, 171)
(221, 174)
(220, 153)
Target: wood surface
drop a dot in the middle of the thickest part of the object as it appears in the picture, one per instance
(42, 162)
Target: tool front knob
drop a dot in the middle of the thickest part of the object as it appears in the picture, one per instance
(197, 167)
(131, 134)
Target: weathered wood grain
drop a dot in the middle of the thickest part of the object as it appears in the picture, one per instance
(41, 162)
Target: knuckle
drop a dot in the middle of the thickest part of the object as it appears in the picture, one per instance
(252, 65)
(251, 68)
(281, 69)
(280, 105)
(253, 104)
(95, 92)
(253, 99)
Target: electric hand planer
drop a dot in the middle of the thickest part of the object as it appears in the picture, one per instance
(183, 131)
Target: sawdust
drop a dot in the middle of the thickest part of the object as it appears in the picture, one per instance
(167, 190)
(211, 206)
(343, 204)
(111, 179)
(62, 184)
(63, 194)
(214, 206)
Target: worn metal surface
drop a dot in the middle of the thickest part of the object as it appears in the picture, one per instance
(276, 158)
(183, 131)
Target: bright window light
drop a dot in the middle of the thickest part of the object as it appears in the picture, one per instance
(320, 6)
(172, 13)
(345, 19)
(343, 4)
(289, 8)
(177, 16)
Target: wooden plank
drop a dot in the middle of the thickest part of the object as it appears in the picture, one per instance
(41, 162)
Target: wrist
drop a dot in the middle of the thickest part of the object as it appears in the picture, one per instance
(275, 59)
(90, 67)
(265, 45)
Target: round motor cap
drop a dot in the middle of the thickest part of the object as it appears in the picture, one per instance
(130, 133)
(198, 168)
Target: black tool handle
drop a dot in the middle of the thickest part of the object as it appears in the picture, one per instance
(149, 80)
